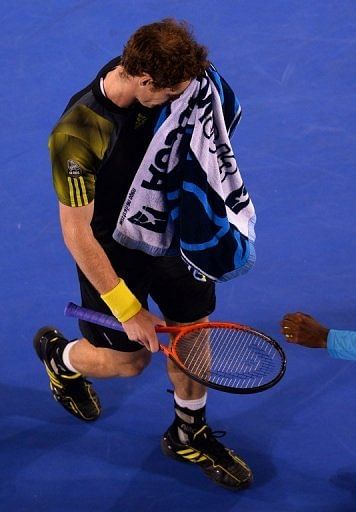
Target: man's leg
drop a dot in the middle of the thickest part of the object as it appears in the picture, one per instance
(190, 439)
(100, 352)
(184, 299)
(68, 363)
(104, 362)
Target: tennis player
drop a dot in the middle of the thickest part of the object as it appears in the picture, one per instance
(303, 329)
(96, 148)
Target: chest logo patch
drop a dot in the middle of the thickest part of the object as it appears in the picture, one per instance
(140, 120)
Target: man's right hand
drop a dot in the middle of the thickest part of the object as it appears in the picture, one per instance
(141, 328)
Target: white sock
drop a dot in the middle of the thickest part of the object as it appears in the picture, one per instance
(65, 356)
(192, 405)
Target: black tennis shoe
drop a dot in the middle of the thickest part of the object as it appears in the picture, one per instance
(219, 463)
(75, 393)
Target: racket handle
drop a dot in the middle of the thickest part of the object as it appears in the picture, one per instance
(92, 316)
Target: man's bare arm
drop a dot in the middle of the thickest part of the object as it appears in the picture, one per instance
(87, 252)
(94, 263)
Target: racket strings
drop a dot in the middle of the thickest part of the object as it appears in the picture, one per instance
(229, 357)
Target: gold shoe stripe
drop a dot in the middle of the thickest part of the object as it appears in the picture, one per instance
(52, 377)
(199, 431)
(56, 383)
(185, 451)
(94, 400)
(192, 456)
(75, 376)
(75, 408)
(205, 456)
(240, 461)
(230, 474)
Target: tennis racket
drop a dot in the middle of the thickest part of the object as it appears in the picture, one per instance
(225, 356)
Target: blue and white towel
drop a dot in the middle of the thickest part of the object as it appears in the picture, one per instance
(188, 196)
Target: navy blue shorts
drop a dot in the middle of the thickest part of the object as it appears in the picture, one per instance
(179, 296)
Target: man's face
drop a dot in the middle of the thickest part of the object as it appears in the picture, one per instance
(150, 97)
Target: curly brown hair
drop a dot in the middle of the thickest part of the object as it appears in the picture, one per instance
(167, 51)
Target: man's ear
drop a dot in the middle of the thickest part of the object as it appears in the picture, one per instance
(145, 80)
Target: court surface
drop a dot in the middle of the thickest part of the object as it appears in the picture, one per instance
(293, 66)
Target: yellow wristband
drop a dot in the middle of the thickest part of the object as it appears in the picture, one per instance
(122, 302)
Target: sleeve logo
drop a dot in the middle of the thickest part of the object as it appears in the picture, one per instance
(74, 169)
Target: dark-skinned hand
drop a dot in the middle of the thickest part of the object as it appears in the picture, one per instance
(303, 329)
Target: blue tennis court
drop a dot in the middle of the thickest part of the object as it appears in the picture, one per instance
(293, 66)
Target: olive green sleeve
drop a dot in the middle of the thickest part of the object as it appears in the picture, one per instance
(77, 147)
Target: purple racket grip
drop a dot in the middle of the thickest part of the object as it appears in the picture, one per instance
(91, 316)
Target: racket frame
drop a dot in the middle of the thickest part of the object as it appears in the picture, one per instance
(179, 331)
(171, 352)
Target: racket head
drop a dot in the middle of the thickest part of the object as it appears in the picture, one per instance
(228, 357)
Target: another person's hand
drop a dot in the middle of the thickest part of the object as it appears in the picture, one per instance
(141, 328)
(303, 329)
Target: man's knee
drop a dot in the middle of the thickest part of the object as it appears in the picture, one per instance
(123, 364)
(136, 366)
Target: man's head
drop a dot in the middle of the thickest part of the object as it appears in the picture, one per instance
(166, 52)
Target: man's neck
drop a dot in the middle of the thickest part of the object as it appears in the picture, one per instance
(119, 88)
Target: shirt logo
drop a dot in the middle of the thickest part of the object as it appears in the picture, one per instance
(140, 120)
(74, 169)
